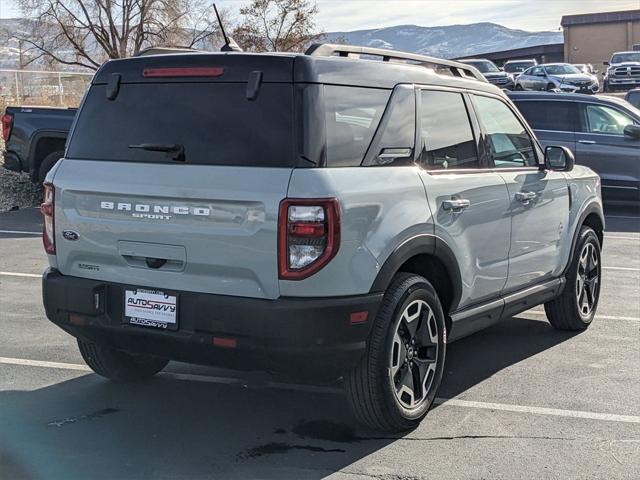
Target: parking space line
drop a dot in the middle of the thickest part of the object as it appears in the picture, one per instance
(601, 317)
(452, 402)
(39, 363)
(18, 274)
(610, 417)
(628, 269)
(20, 232)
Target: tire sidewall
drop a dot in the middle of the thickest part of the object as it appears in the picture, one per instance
(587, 235)
(420, 289)
(47, 163)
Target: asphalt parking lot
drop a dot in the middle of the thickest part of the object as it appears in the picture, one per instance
(518, 400)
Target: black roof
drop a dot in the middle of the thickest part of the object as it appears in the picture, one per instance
(602, 17)
(285, 68)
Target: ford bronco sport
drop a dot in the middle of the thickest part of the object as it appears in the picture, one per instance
(310, 212)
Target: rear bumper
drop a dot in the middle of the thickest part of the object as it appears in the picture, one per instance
(310, 337)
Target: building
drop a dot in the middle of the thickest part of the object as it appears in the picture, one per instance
(551, 52)
(593, 37)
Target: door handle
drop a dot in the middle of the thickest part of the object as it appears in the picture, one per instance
(456, 204)
(588, 142)
(525, 197)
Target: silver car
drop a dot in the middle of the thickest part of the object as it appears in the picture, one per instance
(557, 76)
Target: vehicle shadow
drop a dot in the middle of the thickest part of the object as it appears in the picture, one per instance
(169, 427)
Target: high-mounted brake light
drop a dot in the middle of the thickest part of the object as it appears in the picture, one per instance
(308, 236)
(183, 72)
(7, 125)
(48, 211)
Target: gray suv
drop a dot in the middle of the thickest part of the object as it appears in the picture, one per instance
(310, 214)
(603, 133)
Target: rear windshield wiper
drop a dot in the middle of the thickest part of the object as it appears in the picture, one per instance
(176, 149)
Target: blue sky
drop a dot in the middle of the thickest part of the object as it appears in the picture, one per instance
(336, 15)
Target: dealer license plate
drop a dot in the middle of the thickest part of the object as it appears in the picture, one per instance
(151, 308)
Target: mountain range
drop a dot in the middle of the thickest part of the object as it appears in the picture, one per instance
(452, 41)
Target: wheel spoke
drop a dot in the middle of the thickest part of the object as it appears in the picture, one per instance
(398, 354)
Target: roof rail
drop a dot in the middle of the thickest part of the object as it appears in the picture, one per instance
(456, 68)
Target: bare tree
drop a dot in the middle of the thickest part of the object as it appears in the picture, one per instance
(87, 32)
(277, 25)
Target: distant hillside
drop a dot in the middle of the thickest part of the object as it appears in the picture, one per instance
(449, 41)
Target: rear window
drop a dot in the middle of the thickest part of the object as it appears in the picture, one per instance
(214, 123)
(541, 115)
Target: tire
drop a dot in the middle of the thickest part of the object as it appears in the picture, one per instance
(48, 162)
(550, 87)
(519, 87)
(120, 366)
(377, 397)
(575, 308)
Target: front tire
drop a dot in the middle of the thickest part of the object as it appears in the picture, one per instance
(575, 308)
(120, 366)
(396, 381)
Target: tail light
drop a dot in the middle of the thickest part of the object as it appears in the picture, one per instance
(308, 236)
(48, 208)
(7, 125)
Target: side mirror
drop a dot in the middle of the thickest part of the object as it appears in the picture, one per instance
(559, 159)
(632, 131)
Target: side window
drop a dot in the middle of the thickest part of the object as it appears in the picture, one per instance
(535, 71)
(542, 115)
(352, 115)
(509, 143)
(395, 138)
(602, 119)
(447, 136)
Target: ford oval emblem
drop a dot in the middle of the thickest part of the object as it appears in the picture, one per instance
(70, 235)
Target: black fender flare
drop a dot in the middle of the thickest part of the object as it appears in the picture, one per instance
(420, 245)
(592, 207)
(33, 147)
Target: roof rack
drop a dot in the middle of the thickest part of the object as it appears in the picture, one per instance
(456, 68)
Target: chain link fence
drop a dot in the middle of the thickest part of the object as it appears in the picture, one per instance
(32, 87)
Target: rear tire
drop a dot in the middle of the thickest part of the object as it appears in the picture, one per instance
(120, 366)
(47, 163)
(575, 308)
(396, 381)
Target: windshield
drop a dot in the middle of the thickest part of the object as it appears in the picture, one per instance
(485, 66)
(517, 66)
(626, 57)
(561, 69)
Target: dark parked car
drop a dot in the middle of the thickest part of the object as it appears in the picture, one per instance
(603, 132)
(633, 97)
(557, 76)
(491, 72)
(34, 138)
(516, 67)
